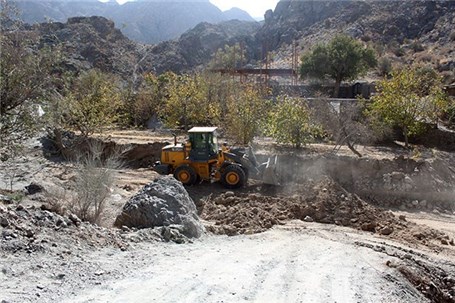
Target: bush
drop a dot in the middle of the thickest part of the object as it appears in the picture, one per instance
(416, 46)
(289, 122)
(384, 66)
(399, 52)
(94, 179)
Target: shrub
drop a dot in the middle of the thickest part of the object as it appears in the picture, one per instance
(289, 122)
(416, 46)
(94, 179)
(384, 66)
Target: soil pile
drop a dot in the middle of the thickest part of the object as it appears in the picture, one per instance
(323, 201)
(164, 202)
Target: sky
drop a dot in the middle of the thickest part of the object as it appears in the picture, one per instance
(256, 8)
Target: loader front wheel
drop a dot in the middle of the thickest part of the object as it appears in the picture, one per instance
(185, 174)
(233, 177)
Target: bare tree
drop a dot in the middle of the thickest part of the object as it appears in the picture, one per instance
(344, 122)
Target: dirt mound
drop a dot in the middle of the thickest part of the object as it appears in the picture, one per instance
(323, 201)
(164, 202)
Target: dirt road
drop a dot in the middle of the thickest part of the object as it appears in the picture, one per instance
(317, 263)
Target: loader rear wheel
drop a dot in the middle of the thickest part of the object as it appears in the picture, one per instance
(185, 174)
(233, 177)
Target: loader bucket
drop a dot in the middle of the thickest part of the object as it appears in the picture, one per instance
(269, 175)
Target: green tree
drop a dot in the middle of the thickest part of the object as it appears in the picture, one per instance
(411, 98)
(144, 102)
(92, 103)
(289, 121)
(186, 101)
(247, 113)
(341, 59)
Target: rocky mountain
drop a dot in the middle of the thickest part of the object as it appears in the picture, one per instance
(195, 48)
(94, 42)
(402, 31)
(148, 21)
(237, 14)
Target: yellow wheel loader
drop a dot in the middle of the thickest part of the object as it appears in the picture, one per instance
(200, 158)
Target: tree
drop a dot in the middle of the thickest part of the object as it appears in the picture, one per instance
(144, 102)
(410, 99)
(25, 75)
(247, 112)
(341, 59)
(344, 123)
(289, 121)
(92, 103)
(186, 102)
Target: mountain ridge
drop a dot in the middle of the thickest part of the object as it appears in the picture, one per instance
(143, 21)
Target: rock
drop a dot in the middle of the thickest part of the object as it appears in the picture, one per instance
(170, 234)
(61, 276)
(370, 226)
(402, 217)
(28, 232)
(8, 234)
(444, 242)
(192, 228)
(386, 231)
(229, 194)
(127, 187)
(308, 219)
(419, 236)
(163, 202)
(6, 199)
(13, 215)
(4, 222)
(34, 188)
(75, 219)
(415, 202)
(423, 203)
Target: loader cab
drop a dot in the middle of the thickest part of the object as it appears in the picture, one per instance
(204, 143)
